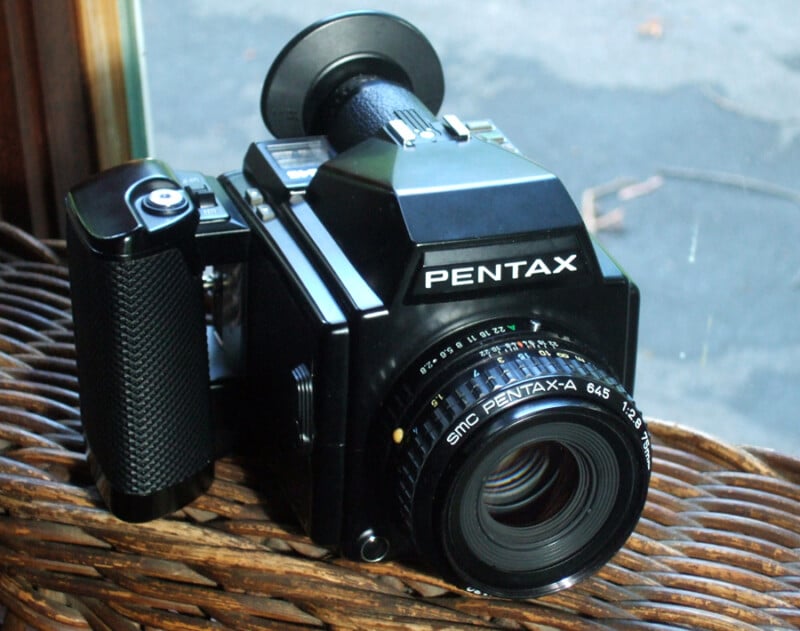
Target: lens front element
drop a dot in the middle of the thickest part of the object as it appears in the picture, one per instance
(544, 529)
(530, 484)
(526, 471)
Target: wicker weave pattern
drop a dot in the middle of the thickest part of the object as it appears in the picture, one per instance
(718, 546)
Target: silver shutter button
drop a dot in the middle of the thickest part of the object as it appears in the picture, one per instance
(165, 201)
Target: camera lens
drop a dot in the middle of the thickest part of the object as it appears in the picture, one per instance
(530, 484)
(526, 467)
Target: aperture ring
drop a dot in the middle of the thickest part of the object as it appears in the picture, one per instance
(514, 371)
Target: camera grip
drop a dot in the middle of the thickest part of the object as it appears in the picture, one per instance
(143, 369)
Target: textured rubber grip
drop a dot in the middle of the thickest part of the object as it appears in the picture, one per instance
(143, 371)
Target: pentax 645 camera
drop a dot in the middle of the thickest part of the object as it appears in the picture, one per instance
(401, 316)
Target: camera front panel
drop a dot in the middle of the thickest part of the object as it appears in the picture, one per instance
(297, 354)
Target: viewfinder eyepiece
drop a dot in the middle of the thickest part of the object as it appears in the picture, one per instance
(379, 56)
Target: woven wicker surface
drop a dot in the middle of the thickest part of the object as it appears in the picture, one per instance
(718, 546)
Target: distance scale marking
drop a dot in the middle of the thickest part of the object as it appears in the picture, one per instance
(468, 339)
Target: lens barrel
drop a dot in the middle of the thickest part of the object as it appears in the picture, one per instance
(525, 470)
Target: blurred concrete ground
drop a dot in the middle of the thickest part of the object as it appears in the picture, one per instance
(706, 96)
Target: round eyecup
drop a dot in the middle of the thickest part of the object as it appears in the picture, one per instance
(330, 52)
(533, 495)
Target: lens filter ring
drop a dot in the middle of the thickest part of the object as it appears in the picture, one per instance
(526, 473)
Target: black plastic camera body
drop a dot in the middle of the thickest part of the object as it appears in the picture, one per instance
(401, 316)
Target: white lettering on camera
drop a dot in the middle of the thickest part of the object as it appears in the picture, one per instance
(470, 420)
(486, 274)
(509, 397)
(525, 390)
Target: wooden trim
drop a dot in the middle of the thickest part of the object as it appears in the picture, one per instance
(63, 111)
(23, 155)
(102, 56)
(68, 124)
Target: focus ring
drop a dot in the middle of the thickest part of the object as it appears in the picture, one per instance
(540, 373)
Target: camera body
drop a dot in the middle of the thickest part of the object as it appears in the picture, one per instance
(402, 317)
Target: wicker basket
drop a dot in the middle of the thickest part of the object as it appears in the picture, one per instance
(718, 546)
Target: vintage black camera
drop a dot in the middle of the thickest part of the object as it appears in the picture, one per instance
(400, 315)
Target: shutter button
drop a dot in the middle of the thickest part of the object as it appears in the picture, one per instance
(165, 201)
